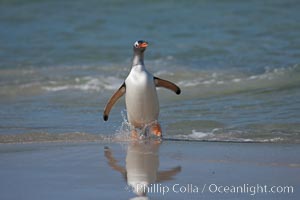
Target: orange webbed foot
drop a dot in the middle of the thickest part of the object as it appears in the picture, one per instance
(156, 130)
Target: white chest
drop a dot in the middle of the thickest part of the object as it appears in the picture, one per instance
(141, 97)
(139, 79)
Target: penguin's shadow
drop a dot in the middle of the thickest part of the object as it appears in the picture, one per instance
(142, 164)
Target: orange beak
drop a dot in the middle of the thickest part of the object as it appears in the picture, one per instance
(143, 45)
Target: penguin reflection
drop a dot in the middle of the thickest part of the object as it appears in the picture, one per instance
(142, 162)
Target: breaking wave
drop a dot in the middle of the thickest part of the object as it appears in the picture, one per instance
(87, 83)
(216, 82)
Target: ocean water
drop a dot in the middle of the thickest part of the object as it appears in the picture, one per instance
(237, 63)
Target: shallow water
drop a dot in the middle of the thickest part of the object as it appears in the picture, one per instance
(236, 62)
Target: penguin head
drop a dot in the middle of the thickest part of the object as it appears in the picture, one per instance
(140, 46)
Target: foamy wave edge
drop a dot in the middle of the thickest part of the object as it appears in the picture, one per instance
(220, 78)
(213, 136)
(86, 84)
(49, 138)
(29, 138)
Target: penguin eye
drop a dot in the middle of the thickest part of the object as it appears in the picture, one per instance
(136, 44)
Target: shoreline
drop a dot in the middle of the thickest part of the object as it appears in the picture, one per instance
(32, 138)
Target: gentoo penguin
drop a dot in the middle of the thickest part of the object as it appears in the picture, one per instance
(140, 94)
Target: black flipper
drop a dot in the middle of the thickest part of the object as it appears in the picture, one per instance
(119, 93)
(167, 84)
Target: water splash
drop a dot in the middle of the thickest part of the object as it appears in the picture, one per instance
(124, 132)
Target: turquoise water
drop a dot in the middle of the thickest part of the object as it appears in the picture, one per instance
(237, 63)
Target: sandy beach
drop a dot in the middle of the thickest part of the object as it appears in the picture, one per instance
(184, 170)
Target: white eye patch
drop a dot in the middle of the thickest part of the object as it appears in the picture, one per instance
(136, 44)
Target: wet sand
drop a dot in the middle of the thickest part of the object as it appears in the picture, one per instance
(174, 170)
